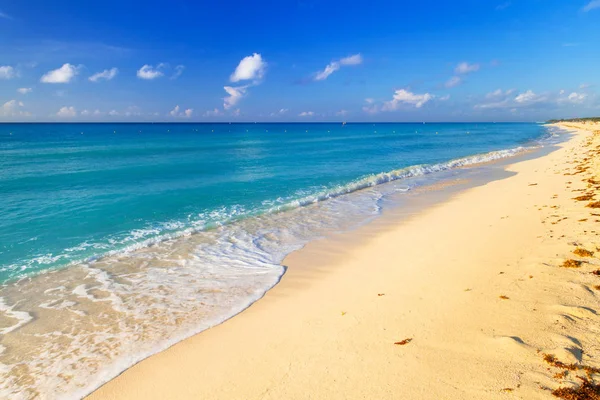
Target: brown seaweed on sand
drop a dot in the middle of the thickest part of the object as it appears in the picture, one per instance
(587, 391)
(403, 342)
(503, 297)
(585, 197)
(571, 264)
(595, 204)
(583, 252)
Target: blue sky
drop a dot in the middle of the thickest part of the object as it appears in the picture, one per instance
(519, 60)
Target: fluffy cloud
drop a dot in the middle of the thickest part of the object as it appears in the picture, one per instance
(7, 72)
(13, 108)
(107, 74)
(355, 59)
(454, 81)
(576, 98)
(306, 114)
(529, 97)
(67, 112)
(63, 74)
(148, 72)
(176, 112)
(465, 68)
(403, 96)
(235, 95)
(24, 90)
(251, 67)
(591, 5)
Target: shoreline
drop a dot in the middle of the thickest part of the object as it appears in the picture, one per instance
(333, 325)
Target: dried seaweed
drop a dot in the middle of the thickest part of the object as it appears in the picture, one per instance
(571, 264)
(583, 252)
(586, 391)
(403, 342)
(585, 197)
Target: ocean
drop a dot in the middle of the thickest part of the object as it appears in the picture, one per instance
(119, 240)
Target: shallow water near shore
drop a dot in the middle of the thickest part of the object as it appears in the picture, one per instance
(130, 244)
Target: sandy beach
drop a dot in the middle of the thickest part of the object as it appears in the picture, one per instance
(489, 294)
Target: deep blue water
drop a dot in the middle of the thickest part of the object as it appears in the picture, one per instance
(74, 191)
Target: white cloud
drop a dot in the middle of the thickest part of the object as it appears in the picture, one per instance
(342, 113)
(67, 112)
(444, 98)
(306, 114)
(499, 99)
(85, 112)
(369, 100)
(452, 82)
(24, 90)
(113, 113)
(107, 74)
(63, 74)
(584, 86)
(355, 59)
(251, 67)
(178, 71)
(403, 96)
(148, 72)
(577, 98)
(591, 5)
(235, 95)
(465, 68)
(7, 72)
(13, 108)
(176, 112)
(528, 97)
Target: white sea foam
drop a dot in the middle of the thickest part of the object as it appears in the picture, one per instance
(21, 317)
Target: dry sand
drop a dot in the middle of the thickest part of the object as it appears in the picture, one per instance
(474, 287)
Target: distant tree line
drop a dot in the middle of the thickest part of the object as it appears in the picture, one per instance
(590, 119)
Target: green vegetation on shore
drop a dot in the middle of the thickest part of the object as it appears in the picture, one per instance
(590, 119)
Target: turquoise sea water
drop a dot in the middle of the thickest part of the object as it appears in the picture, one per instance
(75, 191)
(117, 240)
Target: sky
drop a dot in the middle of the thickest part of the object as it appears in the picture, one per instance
(280, 60)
